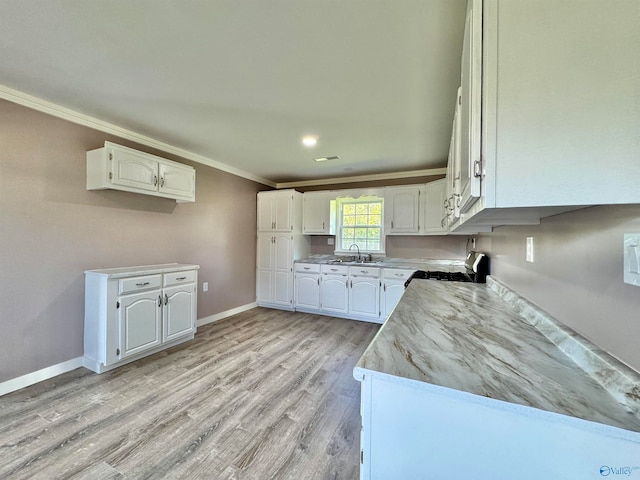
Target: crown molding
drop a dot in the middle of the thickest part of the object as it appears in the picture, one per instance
(64, 113)
(365, 178)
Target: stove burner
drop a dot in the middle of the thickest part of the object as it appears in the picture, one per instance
(449, 276)
(437, 275)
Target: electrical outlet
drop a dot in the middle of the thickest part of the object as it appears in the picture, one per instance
(330, 241)
(529, 252)
(632, 259)
(205, 286)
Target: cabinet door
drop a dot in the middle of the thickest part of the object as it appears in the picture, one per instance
(392, 292)
(283, 213)
(334, 295)
(179, 311)
(402, 208)
(307, 291)
(433, 207)
(264, 252)
(140, 322)
(133, 169)
(470, 108)
(315, 214)
(364, 297)
(265, 213)
(177, 181)
(283, 269)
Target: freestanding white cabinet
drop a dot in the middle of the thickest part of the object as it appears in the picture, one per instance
(122, 168)
(279, 243)
(132, 312)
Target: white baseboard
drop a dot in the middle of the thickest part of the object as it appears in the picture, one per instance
(225, 314)
(39, 375)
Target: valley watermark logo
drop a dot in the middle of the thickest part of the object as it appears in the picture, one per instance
(606, 470)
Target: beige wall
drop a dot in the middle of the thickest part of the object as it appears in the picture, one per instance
(52, 229)
(433, 247)
(577, 273)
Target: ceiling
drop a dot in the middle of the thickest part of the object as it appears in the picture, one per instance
(239, 82)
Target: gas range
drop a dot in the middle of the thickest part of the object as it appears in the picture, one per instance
(476, 270)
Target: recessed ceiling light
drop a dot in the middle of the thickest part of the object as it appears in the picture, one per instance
(324, 159)
(309, 140)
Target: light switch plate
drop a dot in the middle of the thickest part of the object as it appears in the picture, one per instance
(632, 259)
(205, 286)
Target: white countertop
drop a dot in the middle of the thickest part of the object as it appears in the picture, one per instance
(464, 336)
(142, 270)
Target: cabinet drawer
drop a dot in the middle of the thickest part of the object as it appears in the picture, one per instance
(136, 284)
(307, 268)
(176, 278)
(364, 272)
(397, 273)
(335, 270)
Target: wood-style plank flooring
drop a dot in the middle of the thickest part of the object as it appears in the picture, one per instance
(265, 394)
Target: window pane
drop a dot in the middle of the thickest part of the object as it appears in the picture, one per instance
(376, 208)
(362, 220)
(361, 208)
(348, 209)
(349, 220)
(374, 220)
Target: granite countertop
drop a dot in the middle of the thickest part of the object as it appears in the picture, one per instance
(464, 336)
(447, 265)
(142, 270)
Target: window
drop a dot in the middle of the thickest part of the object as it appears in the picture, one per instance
(360, 223)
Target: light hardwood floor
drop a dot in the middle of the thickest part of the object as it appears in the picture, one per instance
(265, 394)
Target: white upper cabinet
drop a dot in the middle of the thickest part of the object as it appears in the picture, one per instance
(402, 210)
(559, 113)
(275, 211)
(316, 213)
(468, 163)
(121, 168)
(433, 208)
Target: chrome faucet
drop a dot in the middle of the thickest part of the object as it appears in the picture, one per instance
(358, 258)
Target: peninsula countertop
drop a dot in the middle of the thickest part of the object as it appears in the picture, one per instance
(464, 336)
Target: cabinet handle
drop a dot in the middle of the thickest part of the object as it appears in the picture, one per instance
(384, 289)
(391, 223)
(399, 275)
(181, 278)
(162, 181)
(155, 180)
(307, 268)
(364, 271)
(166, 299)
(159, 300)
(323, 225)
(142, 284)
(334, 269)
(318, 280)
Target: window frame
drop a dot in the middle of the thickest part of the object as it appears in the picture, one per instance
(340, 202)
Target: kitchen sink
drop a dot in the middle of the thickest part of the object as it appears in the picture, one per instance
(355, 262)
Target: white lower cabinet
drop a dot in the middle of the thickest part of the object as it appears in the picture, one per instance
(364, 293)
(334, 292)
(393, 280)
(307, 287)
(134, 312)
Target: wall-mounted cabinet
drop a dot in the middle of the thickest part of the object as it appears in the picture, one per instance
(402, 210)
(134, 312)
(316, 213)
(557, 127)
(121, 168)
